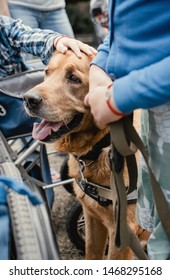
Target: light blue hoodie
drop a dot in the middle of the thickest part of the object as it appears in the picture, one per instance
(137, 53)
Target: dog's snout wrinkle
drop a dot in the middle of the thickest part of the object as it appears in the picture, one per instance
(33, 100)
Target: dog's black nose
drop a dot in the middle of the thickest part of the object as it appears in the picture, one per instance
(32, 101)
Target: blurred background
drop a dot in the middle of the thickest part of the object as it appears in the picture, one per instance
(80, 18)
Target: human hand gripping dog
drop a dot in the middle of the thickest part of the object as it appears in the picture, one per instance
(100, 98)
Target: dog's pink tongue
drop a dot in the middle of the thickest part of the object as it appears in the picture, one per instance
(42, 130)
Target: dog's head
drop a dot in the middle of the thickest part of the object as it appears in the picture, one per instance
(59, 100)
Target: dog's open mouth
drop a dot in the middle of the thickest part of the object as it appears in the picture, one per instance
(50, 131)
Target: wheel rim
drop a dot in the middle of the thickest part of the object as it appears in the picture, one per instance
(81, 226)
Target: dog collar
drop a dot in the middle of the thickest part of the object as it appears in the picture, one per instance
(94, 153)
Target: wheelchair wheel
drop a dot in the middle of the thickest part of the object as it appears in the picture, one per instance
(31, 230)
(32, 234)
(75, 226)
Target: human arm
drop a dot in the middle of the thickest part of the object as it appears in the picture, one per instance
(18, 37)
(144, 88)
(103, 52)
(4, 10)
(102, 108)
(98, 82)
(97, 73)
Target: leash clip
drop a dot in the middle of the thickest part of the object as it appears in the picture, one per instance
(82, 181)
(82, 166)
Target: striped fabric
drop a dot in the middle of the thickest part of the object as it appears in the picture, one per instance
(16, 38)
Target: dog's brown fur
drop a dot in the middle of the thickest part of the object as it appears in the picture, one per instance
(61, 100)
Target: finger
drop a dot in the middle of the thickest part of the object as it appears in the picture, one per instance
(99, 124)
(94, 51)
(61, 47)
(75, 48)
(73, 45)
(86, 100)
(86, 48)
(64, 50)
(66, 43)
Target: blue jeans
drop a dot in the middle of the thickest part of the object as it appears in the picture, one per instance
(56, 20)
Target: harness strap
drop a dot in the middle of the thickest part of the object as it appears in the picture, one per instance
(99, 193)
(123, 134)
(102, 194)
(132, 172)
(124, 235)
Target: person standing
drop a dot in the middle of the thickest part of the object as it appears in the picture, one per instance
(44, 14)
(131, 71)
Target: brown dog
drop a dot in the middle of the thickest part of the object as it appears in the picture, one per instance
(68, 123)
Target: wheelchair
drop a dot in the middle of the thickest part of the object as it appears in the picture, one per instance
(30, 164)
(31, 235)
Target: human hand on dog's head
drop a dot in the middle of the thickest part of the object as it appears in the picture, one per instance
(64, 43)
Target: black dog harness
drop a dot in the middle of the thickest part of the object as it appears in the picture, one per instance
(101, 194)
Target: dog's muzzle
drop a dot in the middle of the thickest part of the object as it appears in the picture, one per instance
(32, 101)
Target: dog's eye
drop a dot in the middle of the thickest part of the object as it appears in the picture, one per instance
(74, 79)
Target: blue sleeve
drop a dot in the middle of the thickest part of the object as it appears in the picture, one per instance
(144, 88)
(103, 52)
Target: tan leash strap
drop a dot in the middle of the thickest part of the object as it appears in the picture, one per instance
(127, 150)
(125, 139)
(124, 236)
(132, 173)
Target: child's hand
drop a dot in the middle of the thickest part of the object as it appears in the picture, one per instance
(63, 43)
